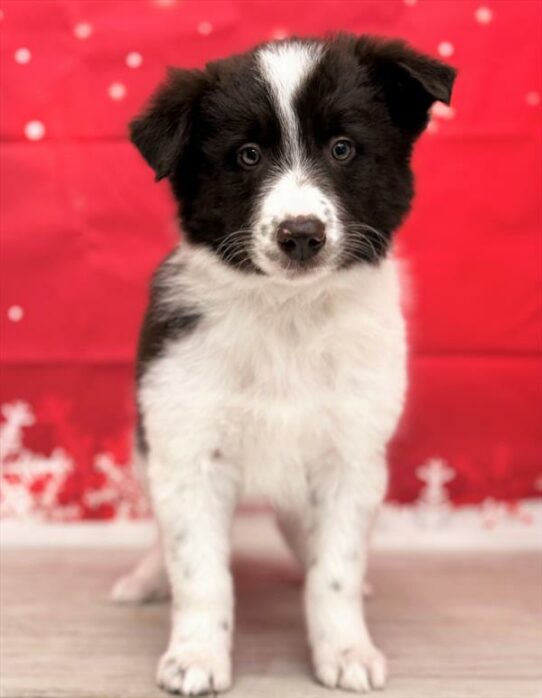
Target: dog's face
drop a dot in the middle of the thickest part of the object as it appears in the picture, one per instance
(294, 158)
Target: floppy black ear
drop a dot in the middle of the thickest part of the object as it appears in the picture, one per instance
(410, 81)
(162, 130)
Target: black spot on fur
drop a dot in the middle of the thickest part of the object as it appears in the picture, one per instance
(336, 586)
(176, 545)
(140, 437)
(225, 626)
(161, 324)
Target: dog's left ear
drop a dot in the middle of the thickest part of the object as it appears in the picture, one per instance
(410, 82)
(162, 130)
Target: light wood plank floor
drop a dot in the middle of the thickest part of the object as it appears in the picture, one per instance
(453, 626)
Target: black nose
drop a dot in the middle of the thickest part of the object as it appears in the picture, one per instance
(301, 238)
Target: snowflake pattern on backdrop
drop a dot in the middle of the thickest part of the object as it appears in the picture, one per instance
(434, 505)
(119, 490)
(31, 483)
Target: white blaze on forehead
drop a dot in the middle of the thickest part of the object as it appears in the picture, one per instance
(284, 68)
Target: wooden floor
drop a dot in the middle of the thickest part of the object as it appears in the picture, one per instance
(453, 626)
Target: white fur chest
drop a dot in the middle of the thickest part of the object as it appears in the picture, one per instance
(280, 379)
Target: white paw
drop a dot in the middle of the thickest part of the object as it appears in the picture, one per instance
(192, 672)
(358, 669)
(134, 589)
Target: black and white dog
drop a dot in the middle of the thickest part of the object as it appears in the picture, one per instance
(272, 355)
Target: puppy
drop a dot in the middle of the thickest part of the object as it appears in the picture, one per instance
(272, 355)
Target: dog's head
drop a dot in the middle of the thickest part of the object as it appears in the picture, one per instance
(294, 157)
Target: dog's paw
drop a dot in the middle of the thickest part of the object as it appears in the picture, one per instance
(358, 669)
(194, 672)
(134, 589)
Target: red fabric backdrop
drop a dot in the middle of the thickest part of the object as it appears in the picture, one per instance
(83, 226)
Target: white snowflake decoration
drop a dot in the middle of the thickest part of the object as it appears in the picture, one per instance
(433, 505)
(15, 500)
(22, 468)
(17, 415)
(121, 489)
(492, 512)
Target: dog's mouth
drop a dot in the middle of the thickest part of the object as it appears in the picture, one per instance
(296, 268)
(294, 250)
(274, 264)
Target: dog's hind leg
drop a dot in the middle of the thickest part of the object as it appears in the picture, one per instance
(293, 532)
(146, 583)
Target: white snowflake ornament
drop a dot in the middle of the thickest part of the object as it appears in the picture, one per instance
(433, 505)
(30, 482)
(17, 415)
(121, 490)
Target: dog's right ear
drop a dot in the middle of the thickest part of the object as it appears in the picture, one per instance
(162, 130)
(409, 81)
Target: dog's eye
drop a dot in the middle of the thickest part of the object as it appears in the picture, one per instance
(249, 155)
(342, 149)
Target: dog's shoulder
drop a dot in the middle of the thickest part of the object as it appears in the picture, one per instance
(169, 315)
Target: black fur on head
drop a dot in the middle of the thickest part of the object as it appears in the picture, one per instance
(375, 93)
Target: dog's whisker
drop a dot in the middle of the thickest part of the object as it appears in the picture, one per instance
(240, 234)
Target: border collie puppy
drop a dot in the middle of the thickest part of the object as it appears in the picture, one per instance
(272, 355)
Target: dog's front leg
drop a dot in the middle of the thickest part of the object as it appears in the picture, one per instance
(344, 655)
(194, 506)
